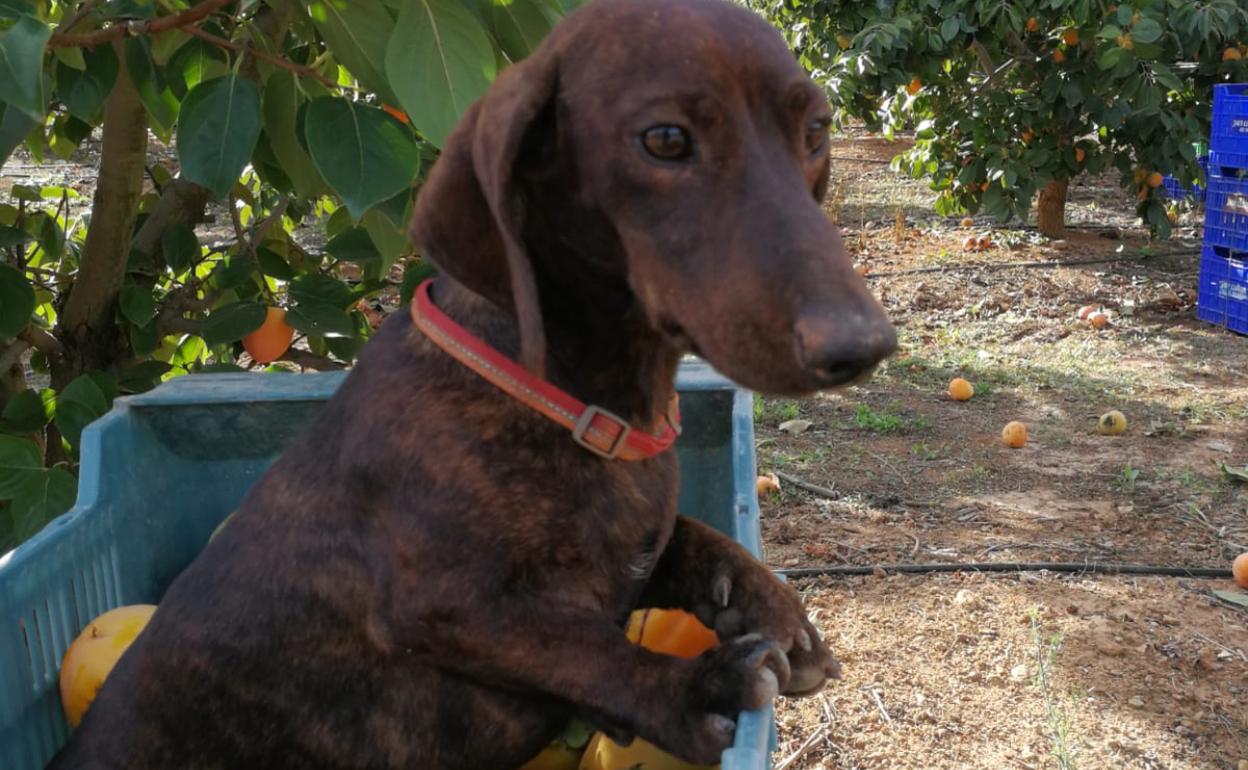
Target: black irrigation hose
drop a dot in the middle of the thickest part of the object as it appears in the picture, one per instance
(1092, 567)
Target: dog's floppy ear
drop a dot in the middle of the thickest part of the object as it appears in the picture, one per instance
(469, 216)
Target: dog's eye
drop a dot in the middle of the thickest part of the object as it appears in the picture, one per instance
(817, 134)
(667, 142)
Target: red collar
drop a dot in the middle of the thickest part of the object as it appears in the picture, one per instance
(593, 427)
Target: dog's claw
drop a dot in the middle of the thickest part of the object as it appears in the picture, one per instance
(722, 591)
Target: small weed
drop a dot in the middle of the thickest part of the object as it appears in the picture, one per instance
(983, 389)
(775, 411)
(923, 452)
(1126, 479)
(1058, 719)
(889, 420)
(877, 422)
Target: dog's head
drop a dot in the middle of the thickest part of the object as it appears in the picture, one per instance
(676, 149)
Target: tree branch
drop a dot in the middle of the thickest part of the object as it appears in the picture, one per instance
(276, 61)
(186, 18)
(309, 360)
(985, 58)
(42, 341)
(12, 354)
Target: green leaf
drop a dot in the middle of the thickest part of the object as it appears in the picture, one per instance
(322, 289)
(358, 33)
(27, 411)
(1110, 58)
(1232, 471)
(439, 61)
(12, 9)
(41, 499)
(1146, 31)
(17, 301)
(273, 265)
(230, 323)
(19, 460)
(15, 126)
(137, 305)
(413, 276)
(365, 155)
(1233, 597)
(389, 240)
(78, 405)
(322, 319)
(144, 375)
(949, 28)
(179, 246)
(232, 272)
(83, 92)
(217, 131)
(21, 66)
(159, 101)
(281, 108)
(143, 340)
(518, 25)
(353, 245)
(196, 61)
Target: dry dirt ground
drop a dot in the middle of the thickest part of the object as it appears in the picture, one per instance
(1030, 670)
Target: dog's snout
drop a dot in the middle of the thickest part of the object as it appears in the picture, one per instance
(841, 349)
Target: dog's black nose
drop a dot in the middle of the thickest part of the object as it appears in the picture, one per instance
(840, 349)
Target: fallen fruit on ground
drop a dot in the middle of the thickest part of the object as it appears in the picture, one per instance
(1240, 570)
(1111, 423)
(1099, 319)
(968, 222)
(971, 243)
(960, 389)
(267, 344)
(1086, 311)
(985, 242)
(1014, 434)
(768, 483)
(93, 654)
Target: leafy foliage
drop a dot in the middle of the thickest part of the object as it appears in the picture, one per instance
(1005, 97)
(306, 122)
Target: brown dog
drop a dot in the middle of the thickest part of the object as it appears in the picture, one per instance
(434, 575)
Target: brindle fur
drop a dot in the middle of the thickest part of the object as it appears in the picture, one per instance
(435, 577)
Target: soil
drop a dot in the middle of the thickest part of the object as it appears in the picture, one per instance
(1030, 670)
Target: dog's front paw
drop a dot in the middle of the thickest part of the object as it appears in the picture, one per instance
(753, 601)
(739, 675)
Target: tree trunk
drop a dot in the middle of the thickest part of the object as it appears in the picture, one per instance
(1051, 208)
(87, 328)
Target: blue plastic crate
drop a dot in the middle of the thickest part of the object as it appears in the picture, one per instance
(1225, 163)
(1226, 212)
(1175, 190)
(202, 441)
(1223, 296)
(1229, 132)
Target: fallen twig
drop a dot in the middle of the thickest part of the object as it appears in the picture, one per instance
(830, 494)
(880, 704)
(805, 747)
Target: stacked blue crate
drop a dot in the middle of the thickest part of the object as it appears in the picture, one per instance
(1176, 191)
(1223, 296)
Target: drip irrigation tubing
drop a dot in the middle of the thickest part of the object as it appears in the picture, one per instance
(1090, 567)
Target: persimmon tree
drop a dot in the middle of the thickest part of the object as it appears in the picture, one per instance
(303, 126)
(1013, 98)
